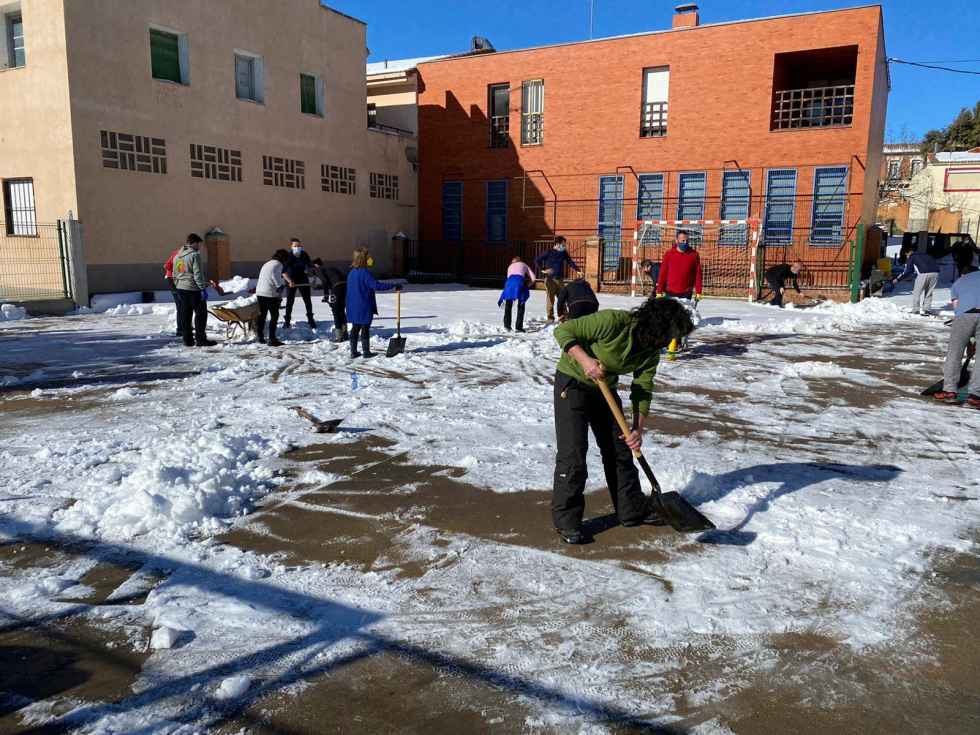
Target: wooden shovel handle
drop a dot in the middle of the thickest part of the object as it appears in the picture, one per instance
(616, 411)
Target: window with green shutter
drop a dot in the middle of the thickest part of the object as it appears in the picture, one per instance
(307, 94)
(165, 55)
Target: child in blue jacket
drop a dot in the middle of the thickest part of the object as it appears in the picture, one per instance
(361, 302)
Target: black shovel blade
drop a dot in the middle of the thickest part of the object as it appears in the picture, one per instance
(682, 516)
(963, 382)
(396, 346)
(679, 514)
(329, 426)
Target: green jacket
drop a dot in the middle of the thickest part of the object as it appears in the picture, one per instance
(608, 337)
(188, 273)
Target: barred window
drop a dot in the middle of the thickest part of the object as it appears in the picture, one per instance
(129, 152)
(338, 179)
(384, 186)
(212, 162)
(287, 173)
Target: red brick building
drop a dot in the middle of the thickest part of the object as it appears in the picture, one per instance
(778, 119)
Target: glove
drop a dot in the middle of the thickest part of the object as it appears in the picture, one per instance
(697, 298)
(398, 287)
(658, 295)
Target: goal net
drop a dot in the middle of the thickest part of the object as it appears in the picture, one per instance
(728, 250)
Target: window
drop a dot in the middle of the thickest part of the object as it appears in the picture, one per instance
(18, 199)
(829, 200)
(611, 218)
(452, 211)
(15, 40)
(496, 211)
(916, 166)
(168, 56)
(650, 205)
(499, 106)
(691, 189)
(248, 77)
(311, 95)
(894, 168)
(780, 206)
(735, 194)
(653, 115)
(532, 112)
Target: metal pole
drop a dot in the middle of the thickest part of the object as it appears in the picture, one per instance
(591, 18)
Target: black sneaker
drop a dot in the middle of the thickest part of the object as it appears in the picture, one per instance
(652, 518)
(573, 537)
(206, 343)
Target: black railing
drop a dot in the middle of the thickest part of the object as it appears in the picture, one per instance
(813, 107)
(653, 120)
(500, 131)
(476, 262)
(532, 128)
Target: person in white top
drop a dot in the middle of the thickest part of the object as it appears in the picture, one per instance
(268, 291)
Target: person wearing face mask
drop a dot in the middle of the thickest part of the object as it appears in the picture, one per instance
(552, 264)
(361, 302)
(680, 274)
(296, 273)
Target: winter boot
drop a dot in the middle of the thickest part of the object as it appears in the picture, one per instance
(573, 537)
(339, 335)
(366, 345)
(353, 346)
(311, 321)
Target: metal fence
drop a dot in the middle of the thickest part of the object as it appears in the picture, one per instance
(34, 267)
(476, 262)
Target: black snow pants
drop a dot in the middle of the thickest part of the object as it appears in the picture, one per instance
(577, 409)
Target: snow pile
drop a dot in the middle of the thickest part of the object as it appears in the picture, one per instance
(869, 311)
(174, 488)
(238, 284)
(140, 310)
(10, 313)
(233, 687)
(103, 302)
(466, 328)
(241, 301)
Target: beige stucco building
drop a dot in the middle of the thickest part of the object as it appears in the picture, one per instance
(945, 195)
(149, 119)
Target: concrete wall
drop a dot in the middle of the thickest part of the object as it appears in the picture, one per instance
(720, 101)
(133, 220)
(927, 196)
(396, 97)
(35, 129)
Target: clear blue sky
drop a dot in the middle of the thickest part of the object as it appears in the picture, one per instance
(917, 30)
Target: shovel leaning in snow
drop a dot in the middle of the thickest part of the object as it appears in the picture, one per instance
(396, 345)
(320, 427)
(680, 514)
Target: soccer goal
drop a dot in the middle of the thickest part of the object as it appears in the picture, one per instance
(728, 249)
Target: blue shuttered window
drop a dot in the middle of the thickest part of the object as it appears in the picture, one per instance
(496, 211)
(691, 189)
(650, 205)
(780, 206)
(611, 217)
(829, 199)
(452, 210)
(735, 194)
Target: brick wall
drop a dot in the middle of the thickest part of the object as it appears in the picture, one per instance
(720, 103)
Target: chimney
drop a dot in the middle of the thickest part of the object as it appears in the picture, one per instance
(686, 16)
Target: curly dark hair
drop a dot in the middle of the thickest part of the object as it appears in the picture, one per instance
(658, 321)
